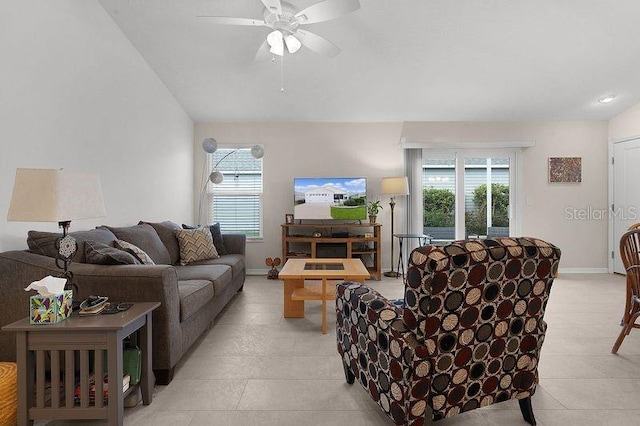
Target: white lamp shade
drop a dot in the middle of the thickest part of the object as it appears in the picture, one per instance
(293, 44)
(216, 177)
(210, 145)
(275, 40)
(257, 152)
(398, 185)
(50, 195)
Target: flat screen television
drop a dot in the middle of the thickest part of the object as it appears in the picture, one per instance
(327, 198)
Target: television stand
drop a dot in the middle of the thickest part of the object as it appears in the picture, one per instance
(362, 241)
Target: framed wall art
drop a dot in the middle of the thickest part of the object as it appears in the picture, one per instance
(565, 169)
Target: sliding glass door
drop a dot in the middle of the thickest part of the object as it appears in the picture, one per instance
(468, 194)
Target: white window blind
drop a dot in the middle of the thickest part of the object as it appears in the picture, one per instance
(237, 202)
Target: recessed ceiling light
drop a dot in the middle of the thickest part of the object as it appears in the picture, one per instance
(607, 99)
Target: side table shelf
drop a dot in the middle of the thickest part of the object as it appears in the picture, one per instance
(55, 354)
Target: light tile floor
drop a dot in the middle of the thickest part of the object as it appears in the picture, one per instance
(255, 367)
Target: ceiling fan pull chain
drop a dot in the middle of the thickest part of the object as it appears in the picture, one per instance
(282, 74)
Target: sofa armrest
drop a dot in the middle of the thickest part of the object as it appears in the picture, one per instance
(235, 243)
(121, 283)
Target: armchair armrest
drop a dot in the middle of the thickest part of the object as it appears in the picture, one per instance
(368, 325)
(382, 352)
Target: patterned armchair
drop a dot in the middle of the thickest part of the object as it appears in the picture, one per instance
(469, 334)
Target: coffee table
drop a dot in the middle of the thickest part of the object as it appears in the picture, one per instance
(297, 290)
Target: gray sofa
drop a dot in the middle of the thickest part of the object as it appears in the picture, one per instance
(191, 296)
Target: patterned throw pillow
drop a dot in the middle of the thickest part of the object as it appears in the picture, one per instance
(136, 251)
(196, 244)
(218, 241)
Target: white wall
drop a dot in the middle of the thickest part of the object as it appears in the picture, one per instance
(583, 242)
(625, 124)
(372, 150)
(309, 150)
(75, 94)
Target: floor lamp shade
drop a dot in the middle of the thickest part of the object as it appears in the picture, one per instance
(50, 195)
(394, 186)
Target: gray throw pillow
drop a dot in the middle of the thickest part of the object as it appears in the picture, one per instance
(102, 254)
(147, 239)
(44, 243)
(217, 237)
(167, 232)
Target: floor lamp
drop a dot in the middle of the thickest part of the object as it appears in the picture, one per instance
(394, 186)
(210, 145)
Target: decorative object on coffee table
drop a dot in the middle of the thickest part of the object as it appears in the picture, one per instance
(394, 186)
(54, 195)
(210, 145)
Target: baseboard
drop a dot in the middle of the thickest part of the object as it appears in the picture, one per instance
(258, 272)
(583, 270)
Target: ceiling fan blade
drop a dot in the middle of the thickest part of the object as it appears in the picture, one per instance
(326, 10)
(263, 52)
(226, 20)
(273, 5)
(317, 44)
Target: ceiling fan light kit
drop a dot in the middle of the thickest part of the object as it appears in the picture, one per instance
(284, 21)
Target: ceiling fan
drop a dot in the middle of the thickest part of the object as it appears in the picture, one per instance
(285, 21)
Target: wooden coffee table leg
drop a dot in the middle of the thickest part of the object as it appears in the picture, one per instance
(324, 306)
(293, 308)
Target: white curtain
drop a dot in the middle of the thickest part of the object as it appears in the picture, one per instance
(414, 220)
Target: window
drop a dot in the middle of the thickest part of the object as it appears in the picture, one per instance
(458, 187)
(237, 201)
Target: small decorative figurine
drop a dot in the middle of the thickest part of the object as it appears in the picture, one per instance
(273, 273)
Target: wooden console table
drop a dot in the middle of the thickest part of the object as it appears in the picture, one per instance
(79, 339)
(359, 240)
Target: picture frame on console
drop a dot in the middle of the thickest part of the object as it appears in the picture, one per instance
(288, 219)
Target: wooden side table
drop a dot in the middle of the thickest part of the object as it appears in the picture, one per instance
(76, 340)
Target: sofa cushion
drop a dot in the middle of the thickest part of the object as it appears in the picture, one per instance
(195, 244)
(218, 240)
(145, 237)
(219, 275)
(135, 251)
(102, 254)
(235, 261)
(194, 294)
(44, 243)
(167, 232)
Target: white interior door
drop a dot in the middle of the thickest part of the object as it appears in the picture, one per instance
(626, 193)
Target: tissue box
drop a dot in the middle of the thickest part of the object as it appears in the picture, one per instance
(51, 309)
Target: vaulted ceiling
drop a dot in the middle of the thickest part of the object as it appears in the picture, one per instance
(402, 60)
